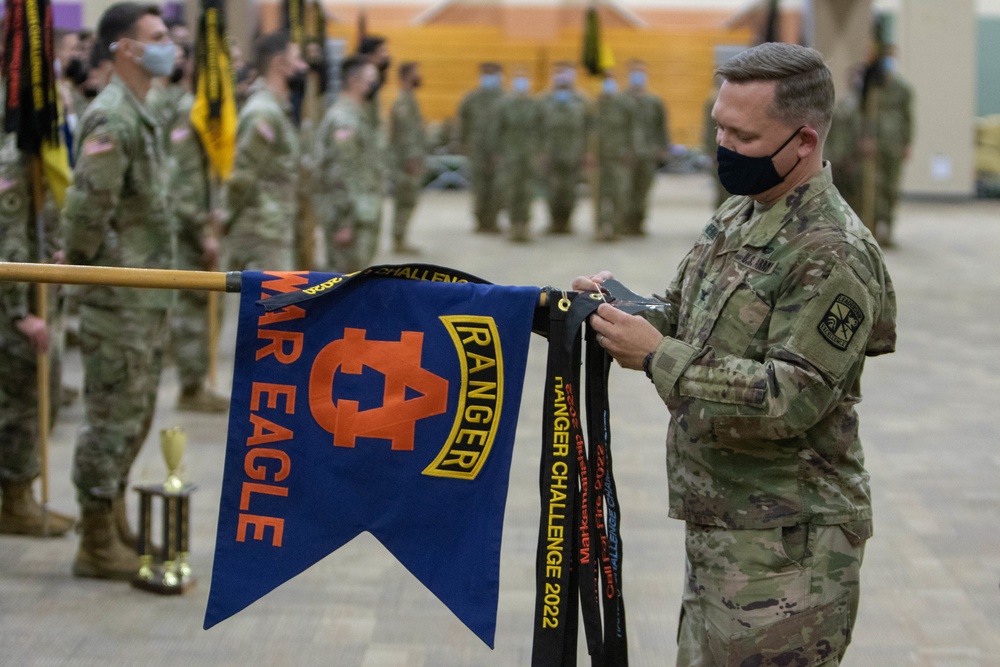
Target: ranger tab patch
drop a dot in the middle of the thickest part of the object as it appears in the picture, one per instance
(842, 319)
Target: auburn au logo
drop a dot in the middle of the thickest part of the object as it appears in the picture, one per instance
(412, 393)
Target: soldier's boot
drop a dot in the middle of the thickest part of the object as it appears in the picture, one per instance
(20, 514)
(519, 232)
(201, 399)
(119, 515)
(401, 247)
(559, 225)
(101, 554)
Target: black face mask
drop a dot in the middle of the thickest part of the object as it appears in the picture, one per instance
(417, 82)
(177, 75)
(373, 90)
(745, 175)
(297, 82)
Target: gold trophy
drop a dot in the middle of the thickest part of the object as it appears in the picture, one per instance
(166, 570)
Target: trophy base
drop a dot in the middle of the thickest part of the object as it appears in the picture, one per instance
(160, 588)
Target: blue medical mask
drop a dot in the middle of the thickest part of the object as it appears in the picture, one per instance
(489, 80)
(745, 175)
(889, 64)
(158, 58)
(609, 86)
(637, 79)
(563, 95)
(521, 84)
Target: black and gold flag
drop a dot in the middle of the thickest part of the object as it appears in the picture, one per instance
(213, 114)
(294, 19)
(31, 110)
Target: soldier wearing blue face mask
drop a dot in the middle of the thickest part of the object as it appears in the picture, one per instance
(613, 142)
(652, 144)
(563, 140)
(477, 116)
(518, 134)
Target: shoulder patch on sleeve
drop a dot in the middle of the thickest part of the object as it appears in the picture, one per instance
(101, 143)
(180, 134)
(265, 130)
(7, 184)
(343, 133)
(842, 320)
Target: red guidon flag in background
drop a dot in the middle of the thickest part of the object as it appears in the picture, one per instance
(214, 112)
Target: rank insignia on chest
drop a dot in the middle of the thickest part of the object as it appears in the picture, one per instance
(842, 319)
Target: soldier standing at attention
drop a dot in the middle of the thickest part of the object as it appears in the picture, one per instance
(262, 193)
(23, 335)
(563, 145)
(614, 143)
(478, 140)
(652, 144)
(349, 174)
(409, 148)
(759, 360)
(518, 134)
(196, 226)
(116, 214)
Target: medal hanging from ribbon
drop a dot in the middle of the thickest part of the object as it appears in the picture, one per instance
(579, 553)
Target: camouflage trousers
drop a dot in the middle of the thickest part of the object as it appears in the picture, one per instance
(613, 194)
(642, 182)
(517, 177)
(406, 190)
(486, 199)
(560, 190)
(770, 597)
(189, 328)
(251, 251)
(122, 352)
(19, 455)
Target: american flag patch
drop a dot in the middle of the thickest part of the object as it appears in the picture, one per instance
(343, 134)
(98, 145)
(266, 131)
(7, 184)
(179, 134)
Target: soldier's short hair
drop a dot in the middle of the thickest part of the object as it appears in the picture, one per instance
(351, 66)
(119, 21)
(269, 46)
(490, 67)
(804, 91)
(370, 44)
(405, 69)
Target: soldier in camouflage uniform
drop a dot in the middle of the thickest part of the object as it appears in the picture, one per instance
(518, 135)
(22, 336)
(652, 145)
(709, 146)
(196, 226)
(886, 135)
(759, 359)
(116, 215)
(261, 196)
(349, 172)
(409, 148)
(613, 141)
(478, 141)
(563, 126)
(842, 149)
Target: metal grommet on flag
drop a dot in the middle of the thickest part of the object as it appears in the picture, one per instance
(579, 541)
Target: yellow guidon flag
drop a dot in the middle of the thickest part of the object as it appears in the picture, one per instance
(213, 114)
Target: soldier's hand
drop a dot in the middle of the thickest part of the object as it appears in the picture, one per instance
(591, 284)
(210, 252)
(867, 147)
(59, 257)
(627, 338)
(415, 166)
(589, 161)
(344, 237)
(35, 330)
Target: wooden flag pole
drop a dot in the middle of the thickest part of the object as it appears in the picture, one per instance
(42, 310)
(68, 274)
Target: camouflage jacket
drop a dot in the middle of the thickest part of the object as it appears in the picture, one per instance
(892, 121)
(651, 129)
(349, 168)
(262, 192)
(518, 128)
(772, 315)
(476, 120)
(612, 123)
(563, 128)
(406, 130)
(15, 218)
(116, 212)
(164, 103)
(190, 202)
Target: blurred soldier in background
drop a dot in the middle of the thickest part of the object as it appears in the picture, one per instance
(23, 335)
(563, 140)
(478, 141)
(710, 146)
(518, 134)
(196, 226)
(116, 214)
(375, 50)
(409, 149)
(350, 180)
(262, 193)
(652, 145)
(613, 138)
(843, 146)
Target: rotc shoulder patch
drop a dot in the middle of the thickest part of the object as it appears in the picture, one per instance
(102, 143)
(842, 319)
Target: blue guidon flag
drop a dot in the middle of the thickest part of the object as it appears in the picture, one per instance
(383, 402)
